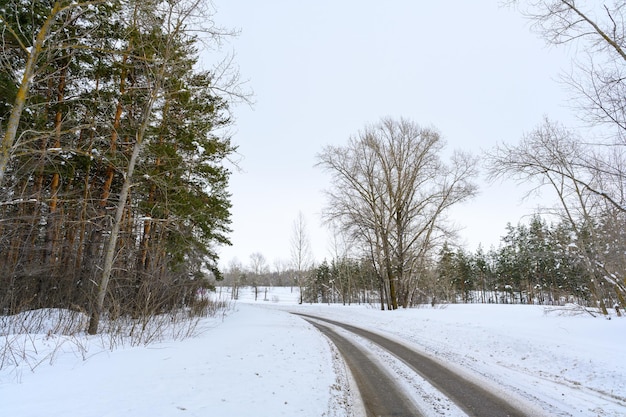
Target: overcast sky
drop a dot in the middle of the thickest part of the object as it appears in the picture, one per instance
(322, 70)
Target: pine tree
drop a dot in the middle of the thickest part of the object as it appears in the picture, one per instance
(115, 82)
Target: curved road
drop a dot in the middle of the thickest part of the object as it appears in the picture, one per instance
(378, 391)
(380, 395)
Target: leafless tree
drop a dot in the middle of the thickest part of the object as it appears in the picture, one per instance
(235, 274)
(390, 191)
(301, 257)
(587, 172)
(597, 31)
(258, 269)
(258, 264)
(280, 266)
(554, 156)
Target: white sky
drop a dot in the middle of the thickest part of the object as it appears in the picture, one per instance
(323, 70)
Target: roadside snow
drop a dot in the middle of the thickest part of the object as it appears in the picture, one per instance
(562, 362)
(262, 361)
(558, 359)
(258, 362)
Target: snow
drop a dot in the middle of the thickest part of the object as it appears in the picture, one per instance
(260, 360)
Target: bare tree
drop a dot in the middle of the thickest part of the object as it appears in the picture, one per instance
(597, 81)
(587, 174)
(236, 275)
(301, 257)
(553, 156)
(280, 266)
(598, 78)
(389, 192)
(258, 268)
(258, 264)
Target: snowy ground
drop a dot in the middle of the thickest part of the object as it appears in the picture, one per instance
(262, 361)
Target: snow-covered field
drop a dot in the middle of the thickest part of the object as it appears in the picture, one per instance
(259, 360)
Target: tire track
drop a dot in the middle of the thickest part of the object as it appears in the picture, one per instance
(469, 396)
(380, 394)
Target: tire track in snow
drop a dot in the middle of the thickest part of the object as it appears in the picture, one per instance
(470, 397)
(380, 394)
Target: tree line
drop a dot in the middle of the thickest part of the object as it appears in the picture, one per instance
(112, 164)
(536, 263)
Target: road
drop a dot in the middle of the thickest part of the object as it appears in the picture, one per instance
(381, 394)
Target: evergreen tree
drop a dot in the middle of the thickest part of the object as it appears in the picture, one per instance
(446, 275)
(114, 84)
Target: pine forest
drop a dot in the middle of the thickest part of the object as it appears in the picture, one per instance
(113, 190)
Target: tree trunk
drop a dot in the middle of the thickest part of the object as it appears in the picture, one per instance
(112, 243)
(121, 205)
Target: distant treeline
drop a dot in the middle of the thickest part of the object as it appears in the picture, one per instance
(534, 264)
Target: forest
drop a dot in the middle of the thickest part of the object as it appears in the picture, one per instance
(112, 165)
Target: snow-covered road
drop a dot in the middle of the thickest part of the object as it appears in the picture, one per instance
(262, 361)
